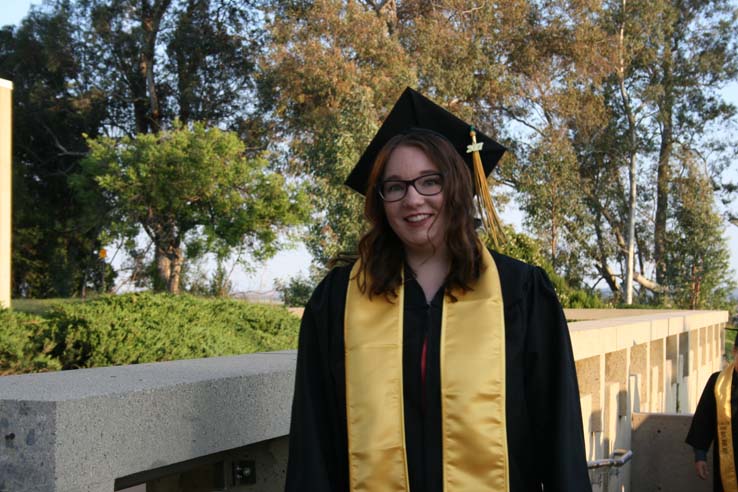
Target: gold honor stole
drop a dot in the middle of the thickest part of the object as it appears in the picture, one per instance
(725, 429)
(474, 436)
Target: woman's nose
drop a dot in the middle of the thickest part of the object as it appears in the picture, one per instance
(412, 196)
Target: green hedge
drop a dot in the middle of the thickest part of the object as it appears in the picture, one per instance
(146, 327)
(21, 346)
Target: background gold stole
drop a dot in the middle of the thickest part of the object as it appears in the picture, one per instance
(472, 389)
(723, 395)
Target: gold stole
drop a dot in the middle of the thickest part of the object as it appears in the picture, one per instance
(474, 436)
(725, 429)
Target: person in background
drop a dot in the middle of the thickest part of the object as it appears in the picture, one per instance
(431, 363)
(714, 421)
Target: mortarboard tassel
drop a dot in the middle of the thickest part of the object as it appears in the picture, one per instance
(490, 219)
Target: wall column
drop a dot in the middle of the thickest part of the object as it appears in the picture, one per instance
(6, 119)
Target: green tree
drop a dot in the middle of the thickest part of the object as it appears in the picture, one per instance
(549, 181)
(111, 67)
(558, 61)
(190, 189)
(158, 60)
(296, 291)
(331, 71)
(55, 237)
(677, 55)
(642, 90)
(698, 259)
(164, 59)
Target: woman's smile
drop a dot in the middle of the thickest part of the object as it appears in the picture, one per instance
(418, 218)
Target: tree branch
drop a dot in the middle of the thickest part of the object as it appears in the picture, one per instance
(58, 145)
(512, 115)
(648, 283)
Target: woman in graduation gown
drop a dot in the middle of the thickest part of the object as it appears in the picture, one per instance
(431, 364)
(716, 418)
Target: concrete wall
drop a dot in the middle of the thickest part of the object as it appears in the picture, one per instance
(79, 431)
(6, 107)
(96, 430)
(663, 461)
(655, 361)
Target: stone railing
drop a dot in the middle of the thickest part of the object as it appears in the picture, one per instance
(104, 429)
(639, 361)
(221, 423)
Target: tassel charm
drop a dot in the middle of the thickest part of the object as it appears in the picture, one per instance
(486, 209)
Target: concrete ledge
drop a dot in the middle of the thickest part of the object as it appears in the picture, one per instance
(80, 430)
(576, 314)
(601, 334)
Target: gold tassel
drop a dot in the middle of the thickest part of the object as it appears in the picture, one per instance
(490, 219)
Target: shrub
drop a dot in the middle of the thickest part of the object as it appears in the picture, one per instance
(143, 327)
(147, 327)
(22, 348)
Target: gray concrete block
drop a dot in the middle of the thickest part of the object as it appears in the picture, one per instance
(85, 428)
(28, 433)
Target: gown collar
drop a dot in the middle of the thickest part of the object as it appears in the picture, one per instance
(414, 295)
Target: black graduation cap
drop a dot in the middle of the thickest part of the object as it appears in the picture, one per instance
(413, 110)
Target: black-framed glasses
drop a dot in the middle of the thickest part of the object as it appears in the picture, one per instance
(393, 190)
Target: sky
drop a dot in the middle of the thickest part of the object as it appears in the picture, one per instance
(296, 261)
(14, 11)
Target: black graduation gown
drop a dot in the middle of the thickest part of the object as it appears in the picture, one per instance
(544, 427)
(703, 430)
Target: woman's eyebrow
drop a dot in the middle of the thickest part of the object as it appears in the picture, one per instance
(422, 173)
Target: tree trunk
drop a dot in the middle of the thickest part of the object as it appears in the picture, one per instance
(631, 230)
(664, 171)
(163, 269)
(175, 271)
(610, 278)
(632, 152)
(169, 270)
(151, 16)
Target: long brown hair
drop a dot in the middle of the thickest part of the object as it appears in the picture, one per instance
(381, 251)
